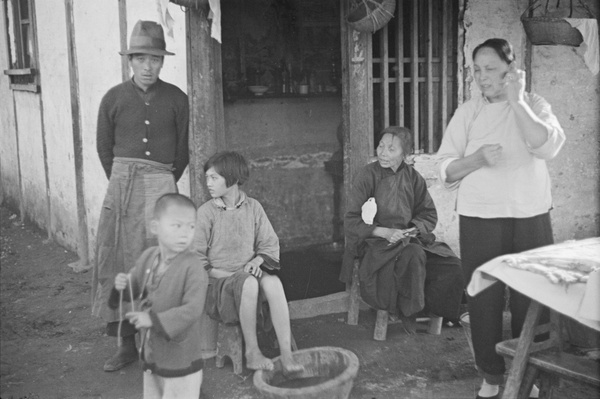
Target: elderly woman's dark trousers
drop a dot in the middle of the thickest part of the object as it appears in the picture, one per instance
(480, 241)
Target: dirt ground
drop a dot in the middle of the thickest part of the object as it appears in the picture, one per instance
(51, 347)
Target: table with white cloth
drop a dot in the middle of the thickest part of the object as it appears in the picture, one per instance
(565, 278)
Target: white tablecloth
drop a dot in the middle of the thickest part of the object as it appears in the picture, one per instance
(581, 301)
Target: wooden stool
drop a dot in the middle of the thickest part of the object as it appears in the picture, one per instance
(230, 343)
(381, 323)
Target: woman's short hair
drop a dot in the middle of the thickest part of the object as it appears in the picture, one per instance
(502, 47)
(231, 165)
(404, 135)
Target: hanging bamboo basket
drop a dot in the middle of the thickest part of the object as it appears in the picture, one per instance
(190, 3)
(371, 15)
(551, 31)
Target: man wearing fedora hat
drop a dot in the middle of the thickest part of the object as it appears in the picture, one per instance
(142, 143)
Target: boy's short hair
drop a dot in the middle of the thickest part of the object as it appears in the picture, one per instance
(166, 200)
(404, 135)
(231, 165)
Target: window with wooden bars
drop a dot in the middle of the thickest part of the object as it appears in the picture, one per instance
(415, 70)
(21, 46)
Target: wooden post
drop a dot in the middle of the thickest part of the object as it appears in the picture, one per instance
(414, 76)
(123, 39)
(354, 299)
(400, 65)
(357, 104)
(82, 237)
(205, 98)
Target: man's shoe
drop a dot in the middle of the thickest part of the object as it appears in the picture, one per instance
(120, 360)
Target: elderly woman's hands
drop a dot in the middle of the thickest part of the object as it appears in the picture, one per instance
(395, 235)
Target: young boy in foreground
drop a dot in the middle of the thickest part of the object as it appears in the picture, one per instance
(172, 289)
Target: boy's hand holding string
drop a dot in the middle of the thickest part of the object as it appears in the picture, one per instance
(138, 319)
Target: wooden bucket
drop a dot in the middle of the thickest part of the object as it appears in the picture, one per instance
(329, 372)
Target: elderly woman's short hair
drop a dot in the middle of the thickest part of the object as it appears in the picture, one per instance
(404, 135)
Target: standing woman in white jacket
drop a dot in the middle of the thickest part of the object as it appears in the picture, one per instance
(494, 151)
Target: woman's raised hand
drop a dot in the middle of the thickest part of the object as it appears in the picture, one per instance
(514, 82)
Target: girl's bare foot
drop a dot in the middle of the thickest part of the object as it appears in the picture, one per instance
(255, 360)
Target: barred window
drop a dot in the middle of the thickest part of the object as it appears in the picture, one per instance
(417, 89)
(21, 45)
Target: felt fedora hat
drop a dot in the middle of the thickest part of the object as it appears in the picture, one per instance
(147, 37)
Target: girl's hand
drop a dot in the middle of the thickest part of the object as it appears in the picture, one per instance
(514, 83)
(253, 269)
(121, 281)
(139, 319)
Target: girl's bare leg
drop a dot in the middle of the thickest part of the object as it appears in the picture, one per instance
(280, 315)
(255, 360)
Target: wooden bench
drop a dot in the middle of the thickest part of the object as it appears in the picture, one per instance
(382, 319)
(545, 360)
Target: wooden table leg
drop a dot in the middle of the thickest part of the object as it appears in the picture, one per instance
(531, 373)
(511, 391)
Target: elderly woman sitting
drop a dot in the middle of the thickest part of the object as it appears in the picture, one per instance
(403, 269)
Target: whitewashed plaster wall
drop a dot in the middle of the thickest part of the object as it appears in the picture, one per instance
(97, 45)
(31, 157)
(561, 77)
(57, 120)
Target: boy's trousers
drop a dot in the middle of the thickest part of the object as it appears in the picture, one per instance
(157, 387)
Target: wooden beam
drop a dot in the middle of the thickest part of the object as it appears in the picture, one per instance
(327, 304)
(357, 101)
(446, 16)
(429, 76)
(82, 237)
(123, 39)
(385, 75)
(414, 87)
(400, 64)
(205, 98)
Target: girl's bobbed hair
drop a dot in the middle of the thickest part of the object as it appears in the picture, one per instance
(231, 165)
